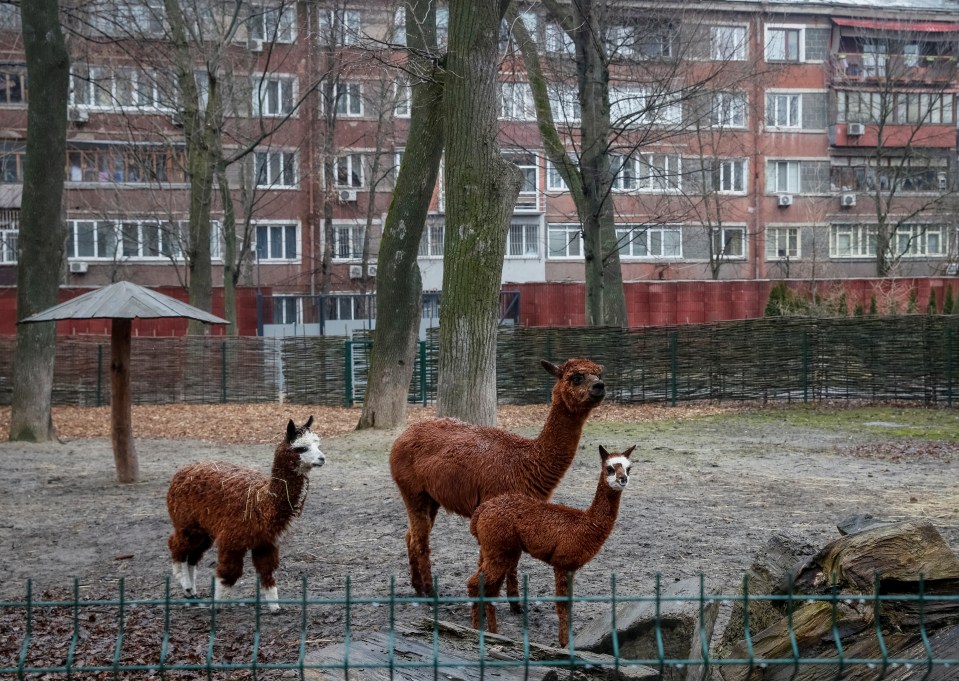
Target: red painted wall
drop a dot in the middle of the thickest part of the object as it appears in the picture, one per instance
(245, 312)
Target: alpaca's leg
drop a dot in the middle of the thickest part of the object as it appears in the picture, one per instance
(421, 511)
(564, 581)
(492, 583)
(512, 589)
(266, 559)
(228, 570)
(187, 548)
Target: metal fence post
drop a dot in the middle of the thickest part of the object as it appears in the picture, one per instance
(223, 372)
(99, 375)
(674, 366)
(348, 370)
(805, 366)
(423, 371)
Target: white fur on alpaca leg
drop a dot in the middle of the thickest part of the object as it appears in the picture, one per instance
(271, 597)
(222, 592)
(181, 571)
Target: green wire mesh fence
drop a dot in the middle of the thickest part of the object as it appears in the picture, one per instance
(75, 638)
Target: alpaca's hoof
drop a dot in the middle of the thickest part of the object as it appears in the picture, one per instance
(516, 608)
(274, 609)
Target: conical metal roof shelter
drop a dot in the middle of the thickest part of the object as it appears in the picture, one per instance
(122, 303)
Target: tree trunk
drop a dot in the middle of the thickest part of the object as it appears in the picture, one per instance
(399, 301)
(481, 191)
(231, 263)
(121, 401)
(42, 231)
(605, 298)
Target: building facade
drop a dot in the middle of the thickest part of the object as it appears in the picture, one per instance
(748, 141)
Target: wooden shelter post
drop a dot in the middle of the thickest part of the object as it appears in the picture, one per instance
(124, 453)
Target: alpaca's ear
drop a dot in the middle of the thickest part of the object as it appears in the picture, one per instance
(603, 453)
(629, 451)
(290, 431)
(552, 368)
(309, 422)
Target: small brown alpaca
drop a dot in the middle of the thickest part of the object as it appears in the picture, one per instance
(240, 509)
(458, 466)
(564, 537)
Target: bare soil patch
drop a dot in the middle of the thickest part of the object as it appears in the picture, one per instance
(708, 489)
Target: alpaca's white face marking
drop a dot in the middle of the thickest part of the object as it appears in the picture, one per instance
(617, 472)
(308, 446)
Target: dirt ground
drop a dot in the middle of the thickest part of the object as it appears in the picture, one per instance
(708, 489)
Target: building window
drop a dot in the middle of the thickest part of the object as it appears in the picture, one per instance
(554, 181)
(131, 239)
(275, 169)
(115, 164)
(348, 241)
(655, 42)
(852, 241)
(339, 27)
(111, 88)
(274, 97)
(621, 41)
(348, 171)
(782, 243)
(431, 243)
(630, 107)
(729, 242)
(650, 241)
(625, 172)
(528, 166)
(933, 108)
(558, 40)
(784, 44)
(903, 175)
(783, 111)
(273, 24)
(347, 307)
(9, 231)
(783, 177)
(727, 43)
(522, 240)
(287, 310)
(12, 165)
(565, 241)
(564, 103)
(349, 99)
(911, 241)
(13, 85)
(404, 99)
(517, 102)
(659, 172)
(729, 176)
(276, 242)
(729, 110)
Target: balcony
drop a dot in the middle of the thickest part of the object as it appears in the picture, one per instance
(529, 202)
(871, 67)
(893, 136)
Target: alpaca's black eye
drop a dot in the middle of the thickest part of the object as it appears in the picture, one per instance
(610, 470)
(300, 450)
(576, 379)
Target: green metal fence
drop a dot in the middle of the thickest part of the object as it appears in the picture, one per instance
(910, 357)
(49, 639)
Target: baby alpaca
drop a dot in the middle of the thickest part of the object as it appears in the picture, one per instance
(240, 509)
(564, 537)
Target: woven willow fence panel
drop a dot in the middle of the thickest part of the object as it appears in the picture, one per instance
(910, 357)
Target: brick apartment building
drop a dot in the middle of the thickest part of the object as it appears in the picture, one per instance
(751, 141)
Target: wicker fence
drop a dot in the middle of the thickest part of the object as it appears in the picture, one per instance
(912, 357)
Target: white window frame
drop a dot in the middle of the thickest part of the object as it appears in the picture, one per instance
(9, 234)
(274, 96)
(779, 103)
(784, 176)
(110, 235)
(913, 241)
(557, 41)
(431, 243)
(265, 24)
(280, 303)
(554, 181)
(348, 239)
(564, 102)
(516, 101)
(783, 242)
(729, 171)
(403, 98)
(627, 106)
(348, 24)
(729, 110)
(771, 43)
(659, 172)
(570, 234)
(283, 230)
(728, 42)
(522, 239)
(725, 236)
(621, 41)
(276, 169)
(348, 99)
(851, 240)
(650, 241)
(351, 163)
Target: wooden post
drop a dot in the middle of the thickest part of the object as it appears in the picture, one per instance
(124, 454)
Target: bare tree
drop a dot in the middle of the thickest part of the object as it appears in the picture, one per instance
(40, 258)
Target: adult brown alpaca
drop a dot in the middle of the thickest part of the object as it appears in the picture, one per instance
(458, 466)
(564, 537)
(240, 509)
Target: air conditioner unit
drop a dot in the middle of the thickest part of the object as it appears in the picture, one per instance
(847, 200)
(855, 129)
(952, 269)
(177, 119)
(78, 116)
(371, 270)
(356, 271)
(78, 268)
(347, 195)
(943, 182)
(255, 45)
(785, 200)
